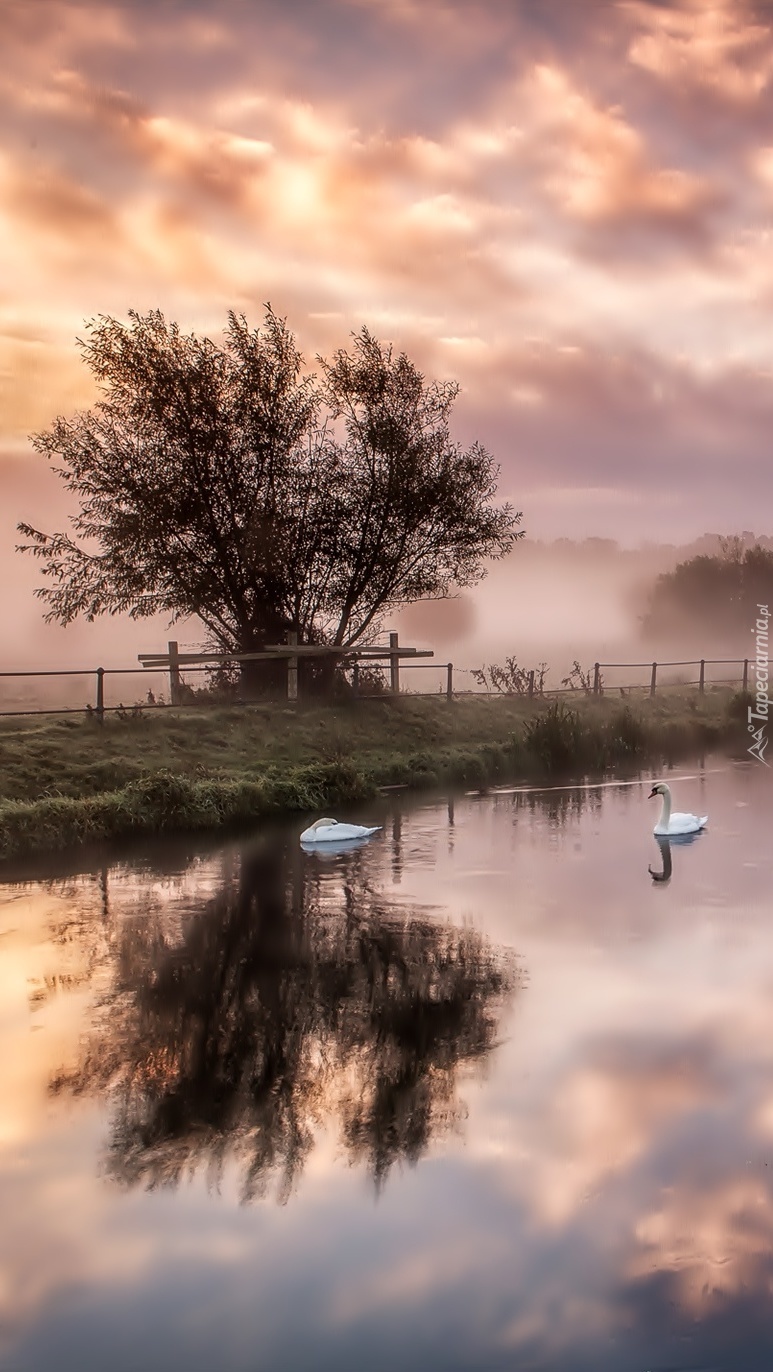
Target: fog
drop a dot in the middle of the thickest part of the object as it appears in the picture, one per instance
(563, 601)
(27, 643)
(550, 602)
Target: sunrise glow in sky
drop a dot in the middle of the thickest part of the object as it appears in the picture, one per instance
(565, 206)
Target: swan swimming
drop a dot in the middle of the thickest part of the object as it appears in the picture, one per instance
(673, 825)
(330, 831)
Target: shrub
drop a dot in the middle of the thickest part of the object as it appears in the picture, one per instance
(557, 738)
(510, 679)
(627, 733)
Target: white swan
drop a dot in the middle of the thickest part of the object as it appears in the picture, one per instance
(673, 825)
(330, 831)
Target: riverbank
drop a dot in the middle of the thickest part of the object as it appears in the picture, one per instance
(70, 781)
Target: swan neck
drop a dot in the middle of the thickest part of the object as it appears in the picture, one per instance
(665, 814)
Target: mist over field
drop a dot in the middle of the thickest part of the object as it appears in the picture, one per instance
(563, 601)
(551, 601)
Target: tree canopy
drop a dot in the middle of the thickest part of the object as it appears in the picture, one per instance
(224, 481)
(717, 595)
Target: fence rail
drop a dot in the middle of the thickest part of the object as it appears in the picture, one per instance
(701, 663)
(174, 664)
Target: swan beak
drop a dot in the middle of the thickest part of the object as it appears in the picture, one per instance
(653, 793)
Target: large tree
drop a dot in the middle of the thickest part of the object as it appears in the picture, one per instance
(222, 480)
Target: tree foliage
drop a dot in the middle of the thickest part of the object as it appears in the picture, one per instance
(223, 481)
(717, 595)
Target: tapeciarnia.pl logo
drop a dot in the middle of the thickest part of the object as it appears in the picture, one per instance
(758, 714)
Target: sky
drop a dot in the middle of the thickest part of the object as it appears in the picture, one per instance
(564, 207)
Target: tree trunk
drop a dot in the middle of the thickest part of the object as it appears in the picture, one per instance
(318, 677)
(267, 678)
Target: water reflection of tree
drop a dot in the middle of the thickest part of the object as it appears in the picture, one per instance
(295, 994)
(554, 806)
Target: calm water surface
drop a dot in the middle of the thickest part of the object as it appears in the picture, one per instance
(480, 1094)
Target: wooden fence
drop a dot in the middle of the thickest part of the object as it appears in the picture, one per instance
(173, 664)
(594, 684)
(654, 667)
(291, 652)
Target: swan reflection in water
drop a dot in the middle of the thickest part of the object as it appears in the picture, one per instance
(295, 997)
(665, 845)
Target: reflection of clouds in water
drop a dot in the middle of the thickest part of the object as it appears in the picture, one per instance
(643, 1038)
(607, 1203)
(641, 1206)
(715, 1241)
(601, 1118)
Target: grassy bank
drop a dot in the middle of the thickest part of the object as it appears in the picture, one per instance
(70, 781)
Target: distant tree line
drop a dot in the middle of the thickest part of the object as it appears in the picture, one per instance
(714, 595)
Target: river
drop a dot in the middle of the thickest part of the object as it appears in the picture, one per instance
(483, 1093)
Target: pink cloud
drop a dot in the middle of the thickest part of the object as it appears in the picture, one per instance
(488, 187)
(719, 46)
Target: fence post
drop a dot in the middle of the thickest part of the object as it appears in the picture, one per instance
(450, 681)
(101, 694)
(394, 665)
(531, 684)
(596, 678)
(745, 686)
(174, 672)
(653, 678)
(356, 677)
(292, 668)
(702, 677)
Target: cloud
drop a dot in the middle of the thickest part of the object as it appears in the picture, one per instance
(36, 373)
(487, 186)
(599, 170)
(717, 46)
(604, 433)
(54, 207)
